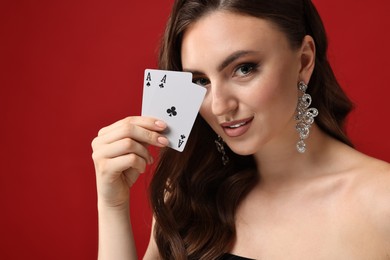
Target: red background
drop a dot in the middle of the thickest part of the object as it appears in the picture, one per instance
(68, 68)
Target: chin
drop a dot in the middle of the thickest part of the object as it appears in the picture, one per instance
(244, 150)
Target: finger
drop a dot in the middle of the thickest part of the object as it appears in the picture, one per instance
(145, 122)
(136, 132)
(122, 147)
(116, 166)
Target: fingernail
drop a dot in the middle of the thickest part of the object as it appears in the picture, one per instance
(162, 140)
(160, 124)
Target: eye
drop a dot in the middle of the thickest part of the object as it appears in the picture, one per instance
(201, 81)
(245, 69)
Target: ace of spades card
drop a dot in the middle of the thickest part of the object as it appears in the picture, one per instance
(172, 97)
(155, 82)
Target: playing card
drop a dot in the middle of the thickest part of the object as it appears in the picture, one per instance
(177, 103)
(155, 82)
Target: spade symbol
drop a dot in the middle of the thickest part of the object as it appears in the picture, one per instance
(148, 84)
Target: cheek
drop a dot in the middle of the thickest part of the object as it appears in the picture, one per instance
(205, 111)
(262, 94)
(273, 98)
(278, 86)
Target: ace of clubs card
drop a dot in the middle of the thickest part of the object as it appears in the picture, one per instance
(172, 97)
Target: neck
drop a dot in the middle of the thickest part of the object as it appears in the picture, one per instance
(282, 164)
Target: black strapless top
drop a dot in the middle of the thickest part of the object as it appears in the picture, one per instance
(233, 257)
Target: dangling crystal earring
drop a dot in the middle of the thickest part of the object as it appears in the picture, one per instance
(221, 148)
(305, 117)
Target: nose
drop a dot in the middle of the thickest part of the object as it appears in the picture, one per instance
(223, 101)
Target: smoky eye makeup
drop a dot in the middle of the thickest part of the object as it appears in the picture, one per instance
(245, 69)
(201, 80)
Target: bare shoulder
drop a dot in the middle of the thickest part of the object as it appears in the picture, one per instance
(373, 176)
(371, 191)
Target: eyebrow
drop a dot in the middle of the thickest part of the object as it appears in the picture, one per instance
(226, 62)
(232, 57)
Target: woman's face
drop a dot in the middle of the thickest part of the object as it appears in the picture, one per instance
(251, 75)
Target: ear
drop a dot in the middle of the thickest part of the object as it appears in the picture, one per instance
(307, 58)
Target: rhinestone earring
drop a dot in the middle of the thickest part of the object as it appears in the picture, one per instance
(305, 117)
(221, 148)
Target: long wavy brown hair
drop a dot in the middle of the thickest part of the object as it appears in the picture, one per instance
(193, 195)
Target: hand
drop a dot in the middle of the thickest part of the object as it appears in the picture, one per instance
(120, 155)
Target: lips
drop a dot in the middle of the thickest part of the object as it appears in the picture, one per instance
(237, 128)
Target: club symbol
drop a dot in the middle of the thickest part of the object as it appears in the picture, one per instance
(161, 85)
(172, 111)
(181, 140)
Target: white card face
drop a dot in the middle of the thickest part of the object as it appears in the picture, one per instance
(177, 104)
(156, 80)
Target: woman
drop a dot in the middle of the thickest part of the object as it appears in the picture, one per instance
(283, 180)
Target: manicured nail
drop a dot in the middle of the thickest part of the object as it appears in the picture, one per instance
(162, 140)
(160, 124)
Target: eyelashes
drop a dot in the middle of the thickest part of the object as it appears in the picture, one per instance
(201, 81)
(242, 71)
(245, 69)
